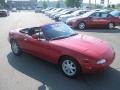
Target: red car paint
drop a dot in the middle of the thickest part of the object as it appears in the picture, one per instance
(86, 50)
(94, 22)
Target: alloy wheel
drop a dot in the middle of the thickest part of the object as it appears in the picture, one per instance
(82, 25)
(69, 67)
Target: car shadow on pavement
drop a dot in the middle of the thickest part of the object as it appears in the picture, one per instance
(100, 30)
(51, 78)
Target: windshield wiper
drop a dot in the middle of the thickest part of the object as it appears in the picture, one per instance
(73, 34)
(60, 37)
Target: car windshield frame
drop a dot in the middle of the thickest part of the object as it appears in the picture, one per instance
(58, 31)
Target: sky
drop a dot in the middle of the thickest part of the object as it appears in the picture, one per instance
(98, 1)
(92, 1)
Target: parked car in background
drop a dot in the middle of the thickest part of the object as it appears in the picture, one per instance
(101, 19)
(63, 18)
(38, 9)
(63, 13)
(47, 9)
(4, 13)
(58, 43)
(54, 12)
(15, 9)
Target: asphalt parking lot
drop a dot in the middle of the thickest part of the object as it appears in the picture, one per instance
(30, 73)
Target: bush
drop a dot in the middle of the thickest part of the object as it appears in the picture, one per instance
(2, 4)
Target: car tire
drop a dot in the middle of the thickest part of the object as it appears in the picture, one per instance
(15, 48)
(111, 25)
(70, 67)
(82, 25)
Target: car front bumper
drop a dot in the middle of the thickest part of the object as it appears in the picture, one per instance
(94, 68)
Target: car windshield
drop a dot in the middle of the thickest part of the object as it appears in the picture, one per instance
(58, 31)
(115, 13)
(87, 14)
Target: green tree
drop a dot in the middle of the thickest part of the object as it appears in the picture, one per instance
(113, 6)
(72, 3)
(45, 5)
(69, 3)
(77, 3)
(109, 6)
(58, 4)
(2, 3)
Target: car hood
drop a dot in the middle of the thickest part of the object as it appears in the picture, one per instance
(76, 18)
(68, 15)
(84, 44)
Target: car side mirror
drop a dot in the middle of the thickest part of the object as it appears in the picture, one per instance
(35, 36)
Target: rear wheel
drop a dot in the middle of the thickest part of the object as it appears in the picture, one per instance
(82, 26)
(111, 25)
(70, 67)
(15, 48)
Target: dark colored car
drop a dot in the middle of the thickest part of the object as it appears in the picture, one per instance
(99, 19)
(4, 13)
(59, 44)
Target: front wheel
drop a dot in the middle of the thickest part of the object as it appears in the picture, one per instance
(15, 48)
(70, 67)
(82, 26)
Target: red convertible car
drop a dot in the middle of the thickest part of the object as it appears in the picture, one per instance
(59, 44)
(99, 19)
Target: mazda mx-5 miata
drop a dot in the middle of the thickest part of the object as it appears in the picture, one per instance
(59, 44)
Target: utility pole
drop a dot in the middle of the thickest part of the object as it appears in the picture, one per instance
(90, 4)
(108, 2)
(95, 4)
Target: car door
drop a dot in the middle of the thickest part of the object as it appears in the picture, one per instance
(98, 19)
(93, 20)
(23, 38)
(102, 20)
(39, 47)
